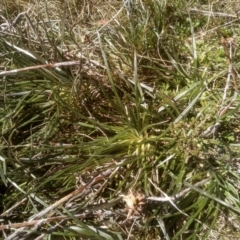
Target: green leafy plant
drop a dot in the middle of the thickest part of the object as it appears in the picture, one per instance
(119, 120)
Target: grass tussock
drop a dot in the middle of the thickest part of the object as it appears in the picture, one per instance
(119, 119)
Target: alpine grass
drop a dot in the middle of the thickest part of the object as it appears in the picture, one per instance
(119, 119)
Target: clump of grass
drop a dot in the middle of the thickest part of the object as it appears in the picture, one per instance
(125, 125)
